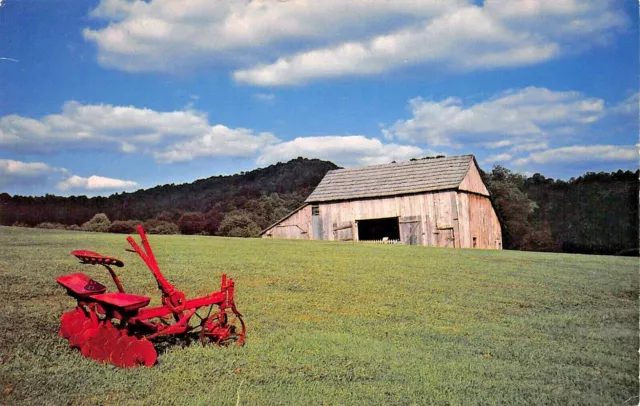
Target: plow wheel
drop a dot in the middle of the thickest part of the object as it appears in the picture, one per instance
(224, 328)
(139, 353)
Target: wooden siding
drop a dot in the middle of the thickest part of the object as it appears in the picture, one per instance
(472, 181)
(433, 209)
(441, 219)
(296, 226)
(483, 223)
(463, 220)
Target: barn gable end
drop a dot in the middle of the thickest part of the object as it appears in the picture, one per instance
(472, 181)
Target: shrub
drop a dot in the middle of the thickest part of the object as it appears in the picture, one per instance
(154, 226)
(74, 227)
(238, 224)
(99, 223)
(51, 226)
(124, 226)
(168, 215)
(191, 223)
(20, 224)
(212, 221)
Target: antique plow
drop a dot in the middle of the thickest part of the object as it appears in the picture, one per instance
(118, 328)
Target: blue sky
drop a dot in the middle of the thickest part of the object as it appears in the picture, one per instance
(102, 96)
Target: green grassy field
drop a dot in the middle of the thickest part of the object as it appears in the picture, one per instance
(336, 323)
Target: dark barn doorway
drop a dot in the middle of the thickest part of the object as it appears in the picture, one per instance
(377, 229)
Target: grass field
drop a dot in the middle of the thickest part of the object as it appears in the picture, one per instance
(336, 323)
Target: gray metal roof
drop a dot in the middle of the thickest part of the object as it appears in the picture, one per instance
(423, 175)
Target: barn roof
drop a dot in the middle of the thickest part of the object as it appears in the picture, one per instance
(423, 175)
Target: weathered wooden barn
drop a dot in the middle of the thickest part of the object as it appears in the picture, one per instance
(434, 202)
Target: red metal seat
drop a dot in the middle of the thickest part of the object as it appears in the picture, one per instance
(93, 258)
(81, 285)
(122, 301)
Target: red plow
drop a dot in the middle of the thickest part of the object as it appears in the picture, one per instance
(118, 328)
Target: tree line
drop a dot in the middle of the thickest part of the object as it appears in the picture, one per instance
(595, 213)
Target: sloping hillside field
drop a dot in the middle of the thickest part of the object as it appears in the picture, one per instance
(336, 323)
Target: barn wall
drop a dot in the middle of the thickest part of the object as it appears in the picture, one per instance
(463, 220)
(296, 226)
(472, 181)
(483, 222)
(447, 219)
(436, 210)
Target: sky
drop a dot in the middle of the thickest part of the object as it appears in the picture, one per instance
(105, 96)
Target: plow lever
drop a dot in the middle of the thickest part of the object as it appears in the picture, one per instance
(171, 297)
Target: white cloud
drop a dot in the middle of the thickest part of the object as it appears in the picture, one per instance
(164, 35)
(350, 150)
(128, 129)
(523, 116)
(630, 106)
(465, 39)
(297, 41)
(497, 158)
(219, 141)
(16, 172)
(582, 153)
(96, 183)
(528, 146)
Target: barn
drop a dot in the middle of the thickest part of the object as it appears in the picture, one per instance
(438, 202)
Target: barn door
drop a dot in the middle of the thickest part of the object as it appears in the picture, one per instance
(411, 230)
(446, 238)
(316, 223)
(343, 231)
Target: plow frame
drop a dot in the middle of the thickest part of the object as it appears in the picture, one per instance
(91, 324)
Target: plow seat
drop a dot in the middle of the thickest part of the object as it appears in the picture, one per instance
(81, 285)
(122, 301)
(93, 258)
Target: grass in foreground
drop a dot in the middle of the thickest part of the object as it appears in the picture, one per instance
(336, 323)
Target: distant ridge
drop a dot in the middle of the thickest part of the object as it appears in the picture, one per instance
(293, 181)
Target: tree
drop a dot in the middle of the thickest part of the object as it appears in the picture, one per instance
(212, 221)
(154, 226)
(238, 224)
(99, 223)
(191, 223)
(511, 203)
(124, 226)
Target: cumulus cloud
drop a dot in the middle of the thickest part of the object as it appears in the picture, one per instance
(164, 35)
(492, 159)
(582, 153)
(350, 150)
(16, 172)
(169, 136)
(219, 141)
(95, 183)
(19, 173)
(522, 116)
(465, 39)
(336, 38)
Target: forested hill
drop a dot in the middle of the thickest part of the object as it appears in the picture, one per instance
(266, 194)
(596, 213)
